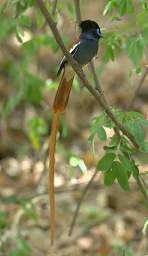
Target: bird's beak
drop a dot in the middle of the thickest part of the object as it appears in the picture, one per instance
(99, 33)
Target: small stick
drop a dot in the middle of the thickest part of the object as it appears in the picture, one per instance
(54, 7)
(80, 202)
(78, 10)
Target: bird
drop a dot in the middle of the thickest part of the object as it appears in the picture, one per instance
(83, 51)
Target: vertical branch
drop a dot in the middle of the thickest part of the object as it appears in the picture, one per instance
(54, 7)
(142, 189)
(78, 10)
(97, 82)
(80, 202)
(99, 89)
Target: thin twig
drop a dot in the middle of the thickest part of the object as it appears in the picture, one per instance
(54, 7)
(80, 233)
(80, 202)
(96, 80)
(131, 104)
(144, 183)
(99, 89)
(139, 182)
(141, 187)
(78, 10)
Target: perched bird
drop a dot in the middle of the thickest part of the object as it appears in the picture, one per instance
(82, 51)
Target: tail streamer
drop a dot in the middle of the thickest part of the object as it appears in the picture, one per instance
(59, 106)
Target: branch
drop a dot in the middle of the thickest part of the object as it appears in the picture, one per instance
(54, 7)
(81, 74)
(143, 191)
(100, 91)
(96, 80)
(78, 11)
(131, 104)
(80, 202)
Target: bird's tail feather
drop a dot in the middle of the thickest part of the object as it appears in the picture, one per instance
(59, 106)
(63, 92)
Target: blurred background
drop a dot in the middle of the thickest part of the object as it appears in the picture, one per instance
(110, 221)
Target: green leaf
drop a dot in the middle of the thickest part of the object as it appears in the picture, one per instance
(135, 172)
(114, 141)
(130, 6)
(142, 19)
(145, 146)
(25, 21)
(114, 43)
(22, 5)
(39, 125)
(19, 33)
(3, 220)
(122, 175)
(138, 131)
(12, 103)
(50, 41)
(144, 122)
(125, 6)
(109, 54)
(134, 115)
(37, 128)
(7, 27)
(122, 7)
(145, 227)
(116, 18)
(102, 134)
(108, 8)
(138, 70)
(76, 161)
(40, 19)
(3, 7)
(135, 49)
(22, 248)
(126, 147)
(126, 163)
(96, 122)
(106, 162)
(71, 10)
(135, 127)
(29, 209)
(33, 88)
(109, 177)
(145, 5)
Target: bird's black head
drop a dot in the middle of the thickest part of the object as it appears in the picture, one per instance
(91, 26)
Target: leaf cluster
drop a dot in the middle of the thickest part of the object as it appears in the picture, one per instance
(117, 163)
(131, 39)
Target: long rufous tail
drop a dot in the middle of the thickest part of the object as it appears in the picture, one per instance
(59, 106)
